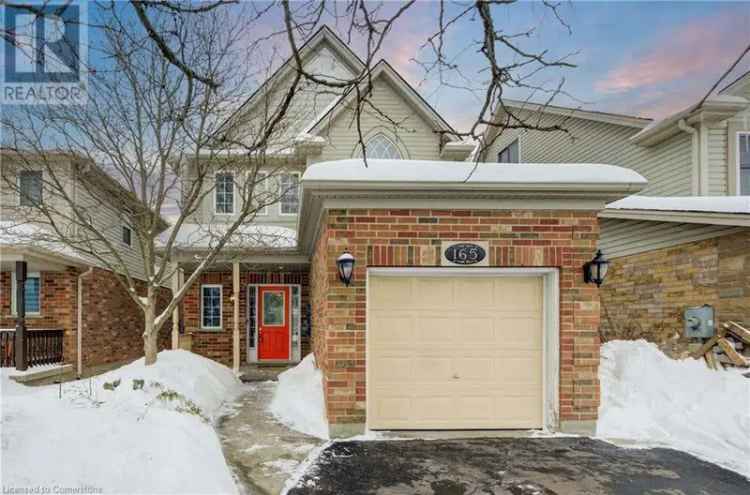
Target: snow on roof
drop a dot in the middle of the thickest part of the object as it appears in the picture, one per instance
(447, 172)
(704, 204)
(14, 234)
(252, 236)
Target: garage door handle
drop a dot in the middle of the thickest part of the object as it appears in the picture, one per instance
(455, 376)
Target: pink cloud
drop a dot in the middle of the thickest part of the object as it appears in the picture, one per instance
(692, 49)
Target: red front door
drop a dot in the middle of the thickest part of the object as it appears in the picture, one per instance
(273, 322)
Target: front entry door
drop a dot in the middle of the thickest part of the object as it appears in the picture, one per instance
(273, 322)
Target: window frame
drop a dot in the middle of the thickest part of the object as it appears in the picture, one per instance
(221, 307)
(517, 142)
(739, 135)
(40, 173)
(126, 228)
(281, 195)
(13, 302)
(393, 143)
(216, 194)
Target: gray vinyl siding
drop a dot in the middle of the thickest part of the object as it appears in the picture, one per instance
(414, 136)
(620, 237)
(717, 161)
(668, 166)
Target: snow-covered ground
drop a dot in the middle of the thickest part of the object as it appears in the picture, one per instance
(153, 436)
(654, 400)
(298, 399)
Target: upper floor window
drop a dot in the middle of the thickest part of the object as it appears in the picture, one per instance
(289, 184)
(744, 159)
(224, 194)
(127, 235)
(32, 294)
(509, 154)
(30, 187)
(379, 146)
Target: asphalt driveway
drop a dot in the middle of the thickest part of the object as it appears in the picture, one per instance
(516, 466)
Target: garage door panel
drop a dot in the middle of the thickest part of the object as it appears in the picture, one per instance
(442, 362)
(390, 293)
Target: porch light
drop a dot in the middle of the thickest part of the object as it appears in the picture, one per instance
(595, 270)
(345, 264)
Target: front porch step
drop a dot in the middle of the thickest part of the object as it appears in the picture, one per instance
(262, 372)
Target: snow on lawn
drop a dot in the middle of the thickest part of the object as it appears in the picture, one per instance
(151, 433)
(298, 399)
(681, 404)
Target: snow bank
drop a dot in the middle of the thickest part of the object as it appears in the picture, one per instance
(681, 404)
(298, 399)
(154, 439)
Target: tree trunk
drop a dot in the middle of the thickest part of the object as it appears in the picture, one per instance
(150, 332)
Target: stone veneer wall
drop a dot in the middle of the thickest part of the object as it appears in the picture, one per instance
(644, 295)
(217, 345)
(113, 323)
(403, 237)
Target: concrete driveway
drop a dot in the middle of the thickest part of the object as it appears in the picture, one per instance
(515, 466)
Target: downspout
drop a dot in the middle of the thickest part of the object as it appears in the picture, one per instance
(695, 156)
(79, 323)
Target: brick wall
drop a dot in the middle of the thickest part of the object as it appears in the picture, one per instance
(645, 295)
(113, 323)
(398, 237)
(217, 344)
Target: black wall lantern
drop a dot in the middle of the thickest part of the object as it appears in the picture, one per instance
(595, 270)
(345, 263)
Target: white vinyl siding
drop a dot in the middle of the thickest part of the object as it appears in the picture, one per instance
(743, 159)
(211, 311)
(717, 161)
(32, 291)
(667, 166)
(621, 237)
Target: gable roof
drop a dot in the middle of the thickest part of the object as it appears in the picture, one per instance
(385, 70)
(324, 35)
(574, 112)
(737, 86)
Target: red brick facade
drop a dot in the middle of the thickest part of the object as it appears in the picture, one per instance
(217, 344)
(400, 237)
(645, 295)
(112, 322)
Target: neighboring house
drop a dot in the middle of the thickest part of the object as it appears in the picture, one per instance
(467, 306)
(67, 293)
(667, 254)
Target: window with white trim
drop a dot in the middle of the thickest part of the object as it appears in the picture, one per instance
(211, 307)
(380, 146)
(32, 294)
(224, 194)
(743, 157)
(30, 187)
(127, 235)
(289, 184)
(509, 154)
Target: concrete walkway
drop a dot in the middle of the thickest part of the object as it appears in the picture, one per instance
(262, 452)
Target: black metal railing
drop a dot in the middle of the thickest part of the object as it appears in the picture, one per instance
(7, 348)
(42, 347)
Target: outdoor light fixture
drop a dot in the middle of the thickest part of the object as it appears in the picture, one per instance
(595, 270)
(345, 263)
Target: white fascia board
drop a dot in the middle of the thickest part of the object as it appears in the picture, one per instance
(734, 219)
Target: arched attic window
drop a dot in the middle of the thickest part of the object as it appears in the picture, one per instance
(379, 146)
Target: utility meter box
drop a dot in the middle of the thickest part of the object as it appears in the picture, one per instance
(699, 322)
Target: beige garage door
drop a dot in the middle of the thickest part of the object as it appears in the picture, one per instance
(454, 352)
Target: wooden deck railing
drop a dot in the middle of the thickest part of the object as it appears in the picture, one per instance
(42, 347)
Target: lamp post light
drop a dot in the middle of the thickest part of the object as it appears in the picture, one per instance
(595, 270)
(345, 264)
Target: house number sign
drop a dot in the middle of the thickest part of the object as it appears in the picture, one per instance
(465, 253)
